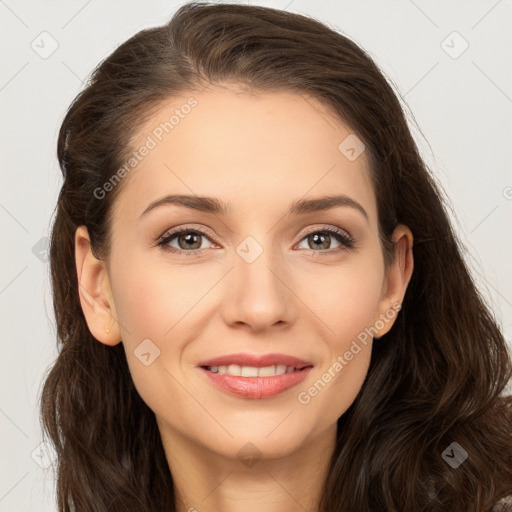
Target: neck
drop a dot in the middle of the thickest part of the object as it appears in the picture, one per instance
(206, 481)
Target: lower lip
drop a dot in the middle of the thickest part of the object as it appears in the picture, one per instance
(257, 387)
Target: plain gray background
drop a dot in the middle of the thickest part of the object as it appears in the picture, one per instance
(461, 100)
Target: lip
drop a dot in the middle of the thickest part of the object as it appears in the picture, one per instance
(257, 387)
(258, 360)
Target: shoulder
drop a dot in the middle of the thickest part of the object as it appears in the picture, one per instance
(504, 505)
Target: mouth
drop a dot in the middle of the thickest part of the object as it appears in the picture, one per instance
(254, 371)
(255, 376)
(263, 361)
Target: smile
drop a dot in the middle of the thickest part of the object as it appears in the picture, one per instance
(252, 371)
(255, 383)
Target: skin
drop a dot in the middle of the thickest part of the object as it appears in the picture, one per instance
(237, 146)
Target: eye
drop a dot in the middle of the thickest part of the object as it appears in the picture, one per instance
(322, 239)
(189, 241)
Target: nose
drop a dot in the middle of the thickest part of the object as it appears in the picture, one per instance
(258, 295)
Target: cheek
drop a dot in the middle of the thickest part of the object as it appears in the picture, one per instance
(354, 314)
(347, 306)
(347, 358)
(149, 311)
(151, 299)
(345, 299)
(159, 303)
(336, 388)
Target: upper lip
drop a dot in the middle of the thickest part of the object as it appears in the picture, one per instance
(257, 360)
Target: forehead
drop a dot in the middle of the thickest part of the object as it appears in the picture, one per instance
(253, 151)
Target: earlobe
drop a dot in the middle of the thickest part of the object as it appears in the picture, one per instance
(397, 278)
(95, 292)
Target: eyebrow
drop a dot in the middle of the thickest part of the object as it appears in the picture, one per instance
(218, 207)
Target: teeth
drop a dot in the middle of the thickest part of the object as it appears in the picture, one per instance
(268, 371)
(248, 371)
(252, 371)
(234, 369)
(280, 369)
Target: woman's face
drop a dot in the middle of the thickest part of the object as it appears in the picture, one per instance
(260, 278)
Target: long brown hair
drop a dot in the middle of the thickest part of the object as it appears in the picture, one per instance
(436, 378)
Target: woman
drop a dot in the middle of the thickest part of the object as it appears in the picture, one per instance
(260, 300)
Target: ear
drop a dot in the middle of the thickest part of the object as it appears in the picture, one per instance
(95, 292)
(398, 275)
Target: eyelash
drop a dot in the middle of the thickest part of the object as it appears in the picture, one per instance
(346, 241)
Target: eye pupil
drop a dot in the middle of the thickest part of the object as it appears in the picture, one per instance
(189, 236)
(317, 236)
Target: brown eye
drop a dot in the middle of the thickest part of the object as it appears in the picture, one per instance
(189, 241)
(319, 240)
(322, 240)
